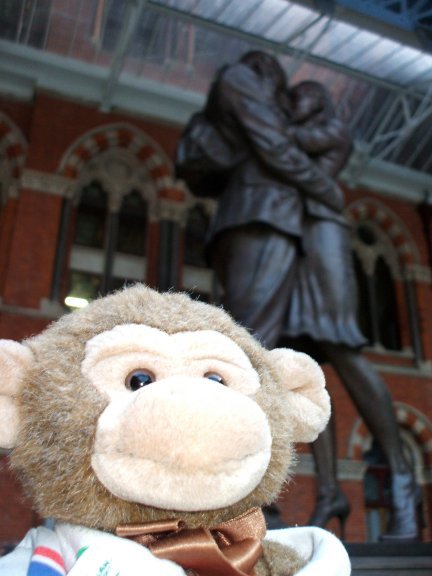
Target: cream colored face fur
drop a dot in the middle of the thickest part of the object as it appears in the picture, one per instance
(184, 441)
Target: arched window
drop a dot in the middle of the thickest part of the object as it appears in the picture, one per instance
(108, 245)
(121, 197)
(378, 308)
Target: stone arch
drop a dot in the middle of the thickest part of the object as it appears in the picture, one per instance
(126, 139)
(13, 154)
(408, 418)
(370, 210)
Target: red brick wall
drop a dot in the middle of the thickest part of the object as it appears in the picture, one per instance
(21, 113)
(297, 502)
(7, 224)
(19, 326)
(32, 249)
(15, 512)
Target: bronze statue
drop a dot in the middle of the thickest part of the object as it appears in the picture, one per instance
(278, 227)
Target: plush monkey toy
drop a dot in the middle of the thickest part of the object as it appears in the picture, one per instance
(152, 428)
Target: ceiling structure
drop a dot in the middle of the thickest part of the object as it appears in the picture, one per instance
(157, 57)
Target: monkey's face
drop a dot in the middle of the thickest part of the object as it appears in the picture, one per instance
(148, 406)
(182, 429)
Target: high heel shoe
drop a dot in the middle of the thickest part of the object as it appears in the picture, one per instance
(331, 505)
(406, 503)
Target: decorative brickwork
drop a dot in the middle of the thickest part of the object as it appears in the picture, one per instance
(408, 418)
(370, 210)
(13, 153)
(125, 137)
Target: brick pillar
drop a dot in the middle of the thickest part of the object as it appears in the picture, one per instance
(15, 512)
(32, 249)
(7, 224)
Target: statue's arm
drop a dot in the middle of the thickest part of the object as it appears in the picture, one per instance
(271, 139)
(330, 144)
(319, 138)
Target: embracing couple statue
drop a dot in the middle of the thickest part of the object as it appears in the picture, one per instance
(280, 246)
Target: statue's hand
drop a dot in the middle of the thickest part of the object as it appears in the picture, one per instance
(336, 200)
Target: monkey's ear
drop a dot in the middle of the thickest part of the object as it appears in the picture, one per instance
(307, 400)
(15, 359)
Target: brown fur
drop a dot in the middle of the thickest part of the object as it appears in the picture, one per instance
(60, 411)
(279, 560)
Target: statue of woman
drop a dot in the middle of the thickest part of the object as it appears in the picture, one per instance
(323, 312)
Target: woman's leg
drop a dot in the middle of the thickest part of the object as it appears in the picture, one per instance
(331, 502)
(374, 403)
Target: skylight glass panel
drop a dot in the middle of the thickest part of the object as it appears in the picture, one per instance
(236, 13)
(264, 16)
(297, 19)
(402, 68)
(337, 35)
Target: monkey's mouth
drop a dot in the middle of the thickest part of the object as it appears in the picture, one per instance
(162, 486)
(197, 450)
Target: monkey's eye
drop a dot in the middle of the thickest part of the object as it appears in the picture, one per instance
(139, 378)
(215, 376)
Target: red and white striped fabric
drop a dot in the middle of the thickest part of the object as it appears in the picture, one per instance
(46, 562)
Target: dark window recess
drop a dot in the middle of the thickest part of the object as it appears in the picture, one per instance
(364, 304)
(132, 231)
(386, 306)
(91, 217)
(195, 234)
(200, 296)
(377, 303)
(366, 235)
(119, 283)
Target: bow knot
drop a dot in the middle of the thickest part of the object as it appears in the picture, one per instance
(231, 548)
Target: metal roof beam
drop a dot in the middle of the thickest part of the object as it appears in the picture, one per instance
(346, 13)
(127, 32)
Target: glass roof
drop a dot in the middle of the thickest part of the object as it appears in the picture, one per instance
(205, 33)
(382, 85)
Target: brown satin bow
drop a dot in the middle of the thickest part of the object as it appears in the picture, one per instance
(228, 549)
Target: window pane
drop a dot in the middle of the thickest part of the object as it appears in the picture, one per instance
(386, 306)
(82, 287)
(364, 305)
(119, 283)
(132, 229)
(25, 21)
(91, 217)
(196, 230)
